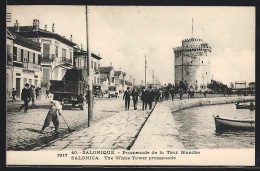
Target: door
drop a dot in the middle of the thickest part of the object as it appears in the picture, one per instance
(18, 84)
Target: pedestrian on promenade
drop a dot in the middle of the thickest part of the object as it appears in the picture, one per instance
(166, 95)
(172, 93)
(25, 96)
(156, 96)
(126, 97)
(189, 93)
(150, 96)
(13, 95)
(52, 116)
(38, 92)
(160, 96)
(144, 99)
(135, 98)
(192, 91)
(205, 93)
(47, 93)
(180, 93)
(32, 94)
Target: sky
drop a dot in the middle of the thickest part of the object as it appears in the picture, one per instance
(124, 35)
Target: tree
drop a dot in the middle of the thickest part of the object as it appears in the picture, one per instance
(217, 87)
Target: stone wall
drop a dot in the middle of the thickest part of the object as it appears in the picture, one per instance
(187, 103)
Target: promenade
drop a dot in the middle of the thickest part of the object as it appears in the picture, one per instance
(113, 127)
(160, 131)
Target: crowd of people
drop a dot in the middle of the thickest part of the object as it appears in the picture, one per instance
(148, 96)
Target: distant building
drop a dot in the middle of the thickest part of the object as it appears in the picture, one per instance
(192, 63)
(80, 62)
(240, 84)
(23, 61)
(107, 73)
(56, 50)
(120, 80)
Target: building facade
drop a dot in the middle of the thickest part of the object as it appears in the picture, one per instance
(56, 50)
(107, 73)
(23, 66)
(80, 62)
(240, 84)
(192, 63)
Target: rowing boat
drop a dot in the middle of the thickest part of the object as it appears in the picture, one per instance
(223, 124)
(245, 106)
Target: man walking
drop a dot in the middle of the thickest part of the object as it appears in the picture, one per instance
(180, 93)
(52, 116)
(160, 96)
(127, 98)
(172, 93)
(150, 97)
(13, 95)
(135, 98)
(47, 93)
(25, 96)
(32, 94)
(144, 99)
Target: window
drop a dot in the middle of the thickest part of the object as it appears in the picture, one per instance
(15, 53)
(191, 62)
(206, 73)
(92, 64)
(39, 59)
(46, 50)
(95, 65)
(30, 57)
(98, 66)
(56, 51)
(70, 55)
(34, 58)
(21, 55)
(64, 53)
(8, 49)
(95, 80)
(25, 56)
(201, 61)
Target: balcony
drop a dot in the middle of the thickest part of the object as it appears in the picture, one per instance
(48, 58)
(66, 60)
(31, 66)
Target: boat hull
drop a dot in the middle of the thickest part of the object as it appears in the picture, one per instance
(234, 125)
(245, 107)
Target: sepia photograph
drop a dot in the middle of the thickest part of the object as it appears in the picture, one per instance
(130, 85)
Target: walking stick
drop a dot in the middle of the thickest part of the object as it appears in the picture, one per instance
(70, 130)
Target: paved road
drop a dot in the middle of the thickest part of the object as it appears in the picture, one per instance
(23, 128)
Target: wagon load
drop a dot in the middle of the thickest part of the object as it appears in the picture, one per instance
(72, 88)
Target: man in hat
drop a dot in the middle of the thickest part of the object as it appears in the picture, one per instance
(25, 96)
(144, 98)
(13, 95)
(127, 98)
(135, 95)
(52, 116)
